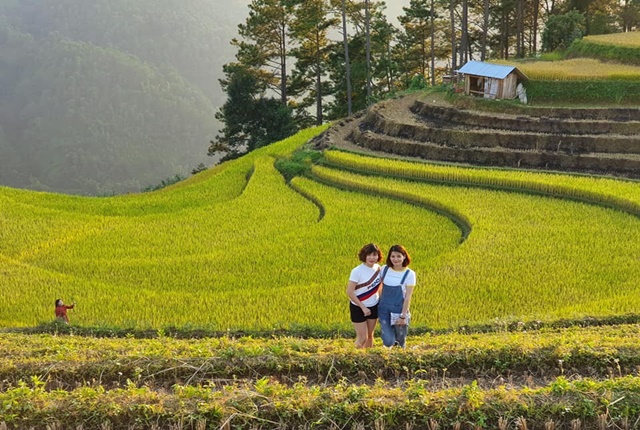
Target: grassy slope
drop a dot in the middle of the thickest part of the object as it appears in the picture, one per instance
(220, 243)
(217, 251)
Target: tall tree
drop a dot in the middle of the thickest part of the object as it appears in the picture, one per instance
(520, 28)
(535, 16)
(417, 29)
(367, 37)
(423, 39)
(629, 15)
(432, 11)
(485, 29)
(465, 46)
(347, 60)
(251, 120)
(385, 69)
(264, 45)
(309, 29)
(452, 17)
(561, 30)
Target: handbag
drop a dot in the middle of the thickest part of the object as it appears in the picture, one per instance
(396, 316)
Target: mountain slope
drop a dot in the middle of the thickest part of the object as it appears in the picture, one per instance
(108, 96)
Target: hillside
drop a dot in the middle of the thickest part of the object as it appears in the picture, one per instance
(166, 249)
(445, 128)
(108, 97)
(524, 314)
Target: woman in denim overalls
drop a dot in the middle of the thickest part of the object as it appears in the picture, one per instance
(398, 284)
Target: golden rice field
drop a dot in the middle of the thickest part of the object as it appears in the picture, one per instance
(630, 39)
(238, 248)
(575, 69)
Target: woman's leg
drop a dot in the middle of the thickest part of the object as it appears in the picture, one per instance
(386, 331)
(362, 333)
(400, 332)
(371, 326)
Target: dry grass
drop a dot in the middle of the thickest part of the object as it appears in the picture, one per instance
(575, 69)
(631, 39)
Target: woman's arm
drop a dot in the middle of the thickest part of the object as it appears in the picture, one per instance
(351, 292)
(406, 304)
(407, 299)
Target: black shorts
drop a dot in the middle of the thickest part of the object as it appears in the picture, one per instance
(357, 316)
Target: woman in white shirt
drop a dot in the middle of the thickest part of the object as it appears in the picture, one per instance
(363, 291)
(398, 282)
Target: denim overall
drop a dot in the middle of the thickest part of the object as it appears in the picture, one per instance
(392, 300)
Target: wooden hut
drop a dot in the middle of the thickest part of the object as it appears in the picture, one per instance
(491, 81)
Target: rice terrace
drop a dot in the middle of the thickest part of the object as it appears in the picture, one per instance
(219, 302)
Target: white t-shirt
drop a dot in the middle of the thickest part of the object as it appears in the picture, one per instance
(393, 278)
(367, 281)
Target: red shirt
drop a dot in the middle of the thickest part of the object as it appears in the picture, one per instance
(61, 312)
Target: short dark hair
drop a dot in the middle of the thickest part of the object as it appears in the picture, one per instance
(58, 302)
(401, 250)
(370, 248)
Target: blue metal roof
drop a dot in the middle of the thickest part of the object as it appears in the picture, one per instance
(479, 68)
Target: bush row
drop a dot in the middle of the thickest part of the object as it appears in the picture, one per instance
(269, 404)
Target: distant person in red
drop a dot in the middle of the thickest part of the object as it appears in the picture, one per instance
(61, 310)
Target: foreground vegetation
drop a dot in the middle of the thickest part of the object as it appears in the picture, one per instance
(540, 378)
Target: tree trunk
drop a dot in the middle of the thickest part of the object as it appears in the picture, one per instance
(464, 43)
(485, 29)
(453, 37)
(519, 29)
(536, 17)
(283, 65)
(347, 65)
(319, 116)
(367, 24)
(433, 47)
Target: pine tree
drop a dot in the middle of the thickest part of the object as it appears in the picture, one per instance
(310, 28)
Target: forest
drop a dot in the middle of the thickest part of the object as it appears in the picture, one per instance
(305, 62)
(109, 96)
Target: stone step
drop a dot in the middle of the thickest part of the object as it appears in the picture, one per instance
(382, 123)
(449, 116)
(599, 163)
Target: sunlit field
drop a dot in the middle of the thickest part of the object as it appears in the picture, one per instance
(575, 69)
(630, 39)
(236, 247)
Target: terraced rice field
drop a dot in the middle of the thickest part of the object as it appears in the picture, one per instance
(238, 249)
(576, 69)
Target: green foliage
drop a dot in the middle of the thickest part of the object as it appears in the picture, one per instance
(299, 164)
(551, 56)
(601, 91)
(440, 380)
(251, 120)
(164, 183)
(418, 82)
(561, 30)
